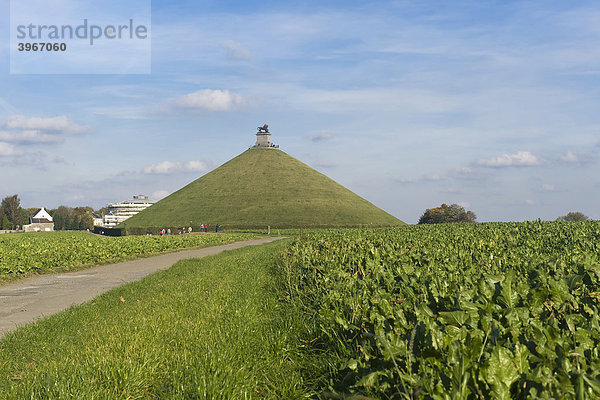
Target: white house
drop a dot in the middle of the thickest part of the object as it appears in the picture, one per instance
(40, 221)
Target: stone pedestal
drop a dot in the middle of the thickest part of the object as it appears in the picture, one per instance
(263, 139)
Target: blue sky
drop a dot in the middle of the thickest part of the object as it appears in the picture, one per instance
(492, 105)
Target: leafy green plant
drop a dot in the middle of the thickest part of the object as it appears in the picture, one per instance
(498, 310)
(43, 251)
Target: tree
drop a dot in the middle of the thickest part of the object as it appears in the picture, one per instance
(5, 223)
(447, 213)
(62, 218)
(24, 216)
(573, 216)
(83, 217)
(11, 207)
(68, 218)
(30, 212)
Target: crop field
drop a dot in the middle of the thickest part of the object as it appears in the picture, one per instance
(503, 311)
(467, 311)
(42, 251)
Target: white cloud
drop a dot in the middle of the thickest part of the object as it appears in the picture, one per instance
(212, 100)
(60, 124)
(159, 194)
(520, 159)
(570, 157)
(7, 149)
(321, 136)
(18, 131)
(451, 190)
(323, 164)
(464, 204)
(546, 187)
(466, 173)
(530, 202)
(424, 178)
(463, 171)
(405, 180)
(236, 50)
(171, 167)
(432, 177)
(29, 136)
(121, 112)
(75, 197)
(405, 100)
(195, 166)
(165, 167)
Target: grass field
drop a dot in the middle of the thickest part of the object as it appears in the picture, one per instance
(263, 187)
(208, 328)
(44, 251)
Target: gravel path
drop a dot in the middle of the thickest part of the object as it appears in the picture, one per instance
(28, 299)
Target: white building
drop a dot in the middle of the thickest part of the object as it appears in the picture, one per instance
(119, 212)
(98, 219)
(41, 221)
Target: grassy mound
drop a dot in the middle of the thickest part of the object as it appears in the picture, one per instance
(263, 187)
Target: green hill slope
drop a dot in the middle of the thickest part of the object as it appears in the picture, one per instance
(263, 187)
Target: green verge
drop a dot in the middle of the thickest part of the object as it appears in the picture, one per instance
(207, 328)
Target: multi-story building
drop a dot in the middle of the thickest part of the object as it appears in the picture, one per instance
(119, 212)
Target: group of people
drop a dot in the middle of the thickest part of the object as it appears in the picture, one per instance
(203, 228)
(167, 232)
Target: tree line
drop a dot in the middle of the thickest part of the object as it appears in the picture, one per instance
(13, 216)
(456, 213)
(447, 213)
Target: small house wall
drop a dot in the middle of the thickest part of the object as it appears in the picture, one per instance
(39, 227)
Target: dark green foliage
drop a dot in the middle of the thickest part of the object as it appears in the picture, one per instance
(11, 208)
(62, 218)
(473, 311)
(24, 216)
(447, 213)
(5, 223)
(68, 218)
(573, 216)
